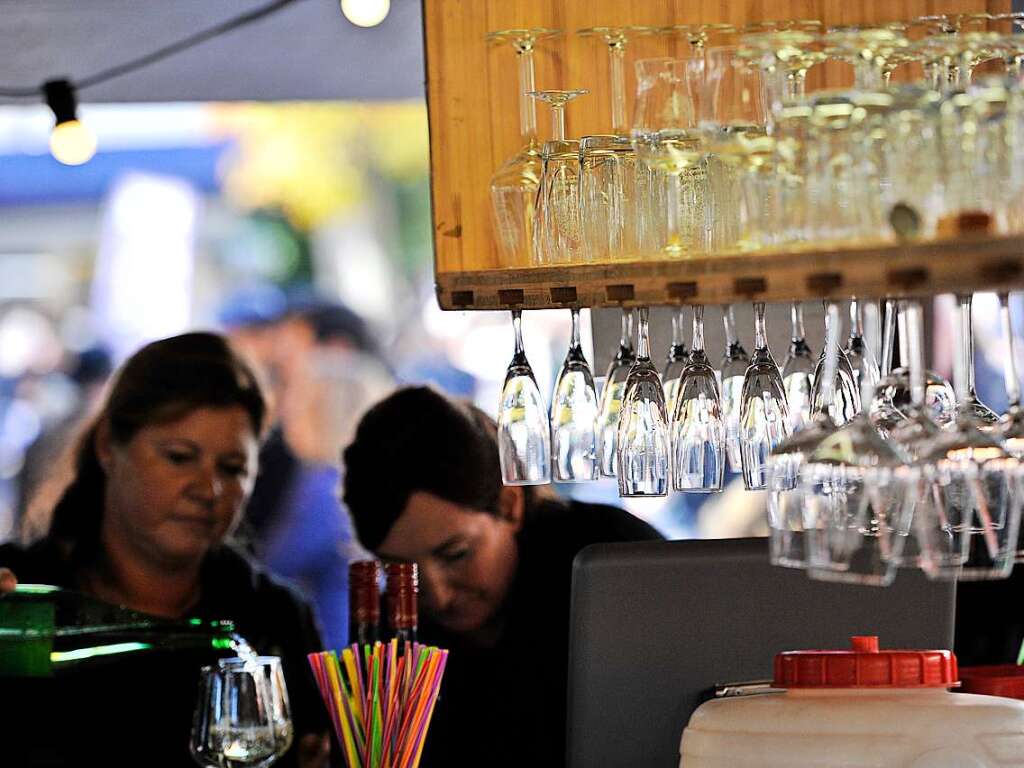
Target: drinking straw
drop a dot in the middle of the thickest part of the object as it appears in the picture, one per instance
(435, 687)
(355, 681)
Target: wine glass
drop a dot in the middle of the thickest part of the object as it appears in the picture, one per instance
(798, 372)
(968, 403)
(574, 416)
(675, 361)
(698, 425)
(524, 436)
(664, 133)
(735, 362)
(764, 417)
(611, 395)
(859, 353)
(786, 529)
(233, 724)
(272, 673)
(1011, 426)
(869, 50)
(642, 442)
(514, 185)
(845, 401)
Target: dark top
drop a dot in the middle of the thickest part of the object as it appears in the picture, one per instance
(990, 620)
(506, 705)
(157, 710)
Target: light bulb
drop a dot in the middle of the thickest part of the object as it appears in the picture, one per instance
(365, 13)
(72, 143)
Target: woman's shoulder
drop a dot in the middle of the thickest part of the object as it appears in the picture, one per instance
(590, 523)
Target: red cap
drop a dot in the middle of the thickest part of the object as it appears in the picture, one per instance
(864, 666)
(999, 680)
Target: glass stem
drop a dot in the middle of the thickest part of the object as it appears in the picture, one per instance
(558, 121)
(729, 320)
(797, 314)
(673, 220)
(828, 371)
(517, 326)
(643, 345)
(888, 336)
(677, 328)
(698, 328)
(856, 326)
(527, 106)
(910, 316)
(904, 334)
(626, 334)
(760, 332)
(574, 341)
(1010, 368)
(964, 372)
(617, 54)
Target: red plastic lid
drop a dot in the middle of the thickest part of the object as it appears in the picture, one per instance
(864, 666)
(998, 680)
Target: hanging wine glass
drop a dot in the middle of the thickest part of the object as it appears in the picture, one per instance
(846, 400)
(798, 372)
(698, 425)
(1011, 426)
(611, 395)
(514, 185)
(857, 493)
(573, 416)
(735, 362)
(642, 443)
(786, 530)
(764, 418)
(860, 354)
(675, 361)
(524, 437)
(968, 403)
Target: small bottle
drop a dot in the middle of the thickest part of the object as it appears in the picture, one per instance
(46, 631)
(364, 602)
(402, 589)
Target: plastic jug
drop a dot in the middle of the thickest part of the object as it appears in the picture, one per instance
(860, 708)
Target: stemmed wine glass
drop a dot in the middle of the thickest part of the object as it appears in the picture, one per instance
(764, 417)
(735, 362)
(574, 416)
(675, 361)
(611, 395)
(642, 443)
(845, 401)
(514, 185)
(524, 437)
(1011, 426)
(698, 425)
(798, 372)
(241, 716)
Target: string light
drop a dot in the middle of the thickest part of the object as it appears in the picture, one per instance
(71, 141)
(365, 13)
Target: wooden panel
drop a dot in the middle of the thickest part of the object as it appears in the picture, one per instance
(472, 86)
(968, 264)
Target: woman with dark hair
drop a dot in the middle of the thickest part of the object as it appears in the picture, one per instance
(423, 484)
(161, 479)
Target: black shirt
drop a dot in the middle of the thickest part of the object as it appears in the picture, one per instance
(151, 709)
(506, 705)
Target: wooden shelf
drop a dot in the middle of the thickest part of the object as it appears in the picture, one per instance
(973, 263)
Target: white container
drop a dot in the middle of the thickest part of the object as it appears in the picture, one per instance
(858, 709)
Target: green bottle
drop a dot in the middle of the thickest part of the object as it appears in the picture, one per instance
(46, 631)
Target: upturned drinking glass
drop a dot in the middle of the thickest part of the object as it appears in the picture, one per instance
(611, 395)
(573, 416)
(735, 362)
(798, 372)
(557, 232)
(698, 425)
(514, 185)
(610, 206)
(675, 361)
(642, 442)
(524, 436)
(764, 417)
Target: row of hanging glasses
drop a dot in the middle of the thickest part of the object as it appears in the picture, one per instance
(728, 152)
(868, 466)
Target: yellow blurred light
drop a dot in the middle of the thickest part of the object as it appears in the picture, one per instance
(365, 13)
(72, 143)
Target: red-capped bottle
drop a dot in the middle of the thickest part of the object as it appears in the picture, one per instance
(402, 590)
(364, 601)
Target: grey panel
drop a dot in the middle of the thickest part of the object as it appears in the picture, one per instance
(656, 624)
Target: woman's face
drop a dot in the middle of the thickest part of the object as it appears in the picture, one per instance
(178, 488)
(466, 558)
